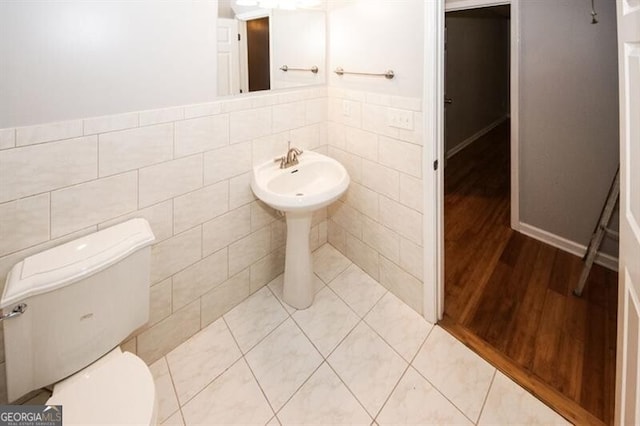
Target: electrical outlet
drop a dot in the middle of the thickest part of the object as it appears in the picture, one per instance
(346, 108)
(400, 118)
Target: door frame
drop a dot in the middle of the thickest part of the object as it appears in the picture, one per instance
(433, 107)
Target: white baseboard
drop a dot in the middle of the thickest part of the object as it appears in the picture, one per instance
(572, 247)
(477, 135)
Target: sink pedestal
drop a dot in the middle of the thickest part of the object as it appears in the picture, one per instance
(298, 270)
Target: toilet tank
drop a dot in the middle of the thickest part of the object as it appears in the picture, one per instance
(82, 299)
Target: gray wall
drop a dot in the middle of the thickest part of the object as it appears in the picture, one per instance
(477, 74)
(568, 115)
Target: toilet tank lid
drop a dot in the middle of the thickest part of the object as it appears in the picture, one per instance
(72, 261)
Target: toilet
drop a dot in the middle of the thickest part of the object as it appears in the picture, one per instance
(66, 310)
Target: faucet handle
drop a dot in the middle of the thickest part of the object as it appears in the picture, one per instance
(282, 160)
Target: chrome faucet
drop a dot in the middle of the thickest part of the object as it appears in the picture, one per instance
(291, 159)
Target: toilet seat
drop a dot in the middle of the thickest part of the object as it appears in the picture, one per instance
(117, 389)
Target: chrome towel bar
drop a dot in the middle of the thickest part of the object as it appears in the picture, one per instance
(313, 69)
(389, 74)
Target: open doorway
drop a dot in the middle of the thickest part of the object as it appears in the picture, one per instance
(507, 295)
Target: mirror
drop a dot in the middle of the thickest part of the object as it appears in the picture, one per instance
(264, 49)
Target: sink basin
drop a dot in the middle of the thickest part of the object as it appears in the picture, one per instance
(315, 182)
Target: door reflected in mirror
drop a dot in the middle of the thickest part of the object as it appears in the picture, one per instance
(262, 49)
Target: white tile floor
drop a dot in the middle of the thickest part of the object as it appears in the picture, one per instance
(358, 355)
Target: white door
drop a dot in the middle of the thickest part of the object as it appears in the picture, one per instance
(628, 358)
(228, 57)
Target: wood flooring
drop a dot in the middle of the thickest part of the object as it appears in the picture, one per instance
(509, 296)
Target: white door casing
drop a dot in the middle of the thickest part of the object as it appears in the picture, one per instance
(228, 57)
(433, 107)
(627, 409)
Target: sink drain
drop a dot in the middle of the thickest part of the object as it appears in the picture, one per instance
(299, 194)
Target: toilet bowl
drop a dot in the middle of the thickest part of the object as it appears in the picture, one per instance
(118, 389)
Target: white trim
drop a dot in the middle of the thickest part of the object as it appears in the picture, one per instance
(433, 125)
(569, 246)
(433, 120)
(477, 135)
(452, 5)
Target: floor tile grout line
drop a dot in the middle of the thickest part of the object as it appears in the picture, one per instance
(392, 347)
(266, 335)
(298, 325)
(209, 383)
(434, 386)
(443, 395)
(214, 378)
(345, 383)
(486, 397)
(350, 391)
(349, 305)
(264, 394)
(175, 391)
(324, 358)
(363, 318)
(299, 387)
(309, 340)
(289, 316)
(393, 389)
(421, 345)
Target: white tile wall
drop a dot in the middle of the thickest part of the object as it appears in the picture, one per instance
(24, 223)
(48, 132)
(401, 219)
(159, 216)
(402, 156)
(240, 191)
(7, 138)
(248, 250)
(187, 170)
(201, 134)
(361, 143)
(224, 297)
(173, 255)
(288, 116)
(79, 206)
(164, 115)
(224, 230)
(200, 206)
(199, 278)
(35, 169)
(110, 123)
(160, 302)
(381, 179)
(378, 223)
(227, 162)
(169, 180)
(259, 124)
(154, 144)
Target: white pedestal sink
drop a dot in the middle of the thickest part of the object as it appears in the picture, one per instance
(315, 182)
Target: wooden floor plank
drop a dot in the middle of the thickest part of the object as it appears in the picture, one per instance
(509, 297)
(526, 322)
